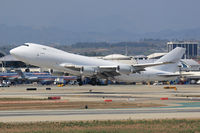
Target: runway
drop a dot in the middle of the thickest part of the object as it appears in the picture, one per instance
(97, 114)
(183, 103)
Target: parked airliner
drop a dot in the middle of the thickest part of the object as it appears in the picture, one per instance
(48, 57)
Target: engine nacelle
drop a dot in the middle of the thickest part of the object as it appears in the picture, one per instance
(125, 69)
(56, 73)
(89, 70)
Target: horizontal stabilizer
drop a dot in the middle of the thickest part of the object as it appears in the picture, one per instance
(142, 66)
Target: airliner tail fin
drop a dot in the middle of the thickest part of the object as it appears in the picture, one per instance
(174, 57)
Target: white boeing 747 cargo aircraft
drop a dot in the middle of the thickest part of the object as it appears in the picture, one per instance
(48, 57)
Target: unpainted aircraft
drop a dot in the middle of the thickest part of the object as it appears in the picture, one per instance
(44, 56)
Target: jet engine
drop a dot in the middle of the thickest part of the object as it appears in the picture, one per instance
(89, 70)
(56, 73)
(27, 70)
(125, 69)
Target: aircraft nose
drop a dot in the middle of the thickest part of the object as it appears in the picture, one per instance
(15, 51)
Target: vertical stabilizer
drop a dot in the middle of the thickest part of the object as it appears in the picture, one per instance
(173, 56)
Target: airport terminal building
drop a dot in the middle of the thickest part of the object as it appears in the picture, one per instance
(191, 48)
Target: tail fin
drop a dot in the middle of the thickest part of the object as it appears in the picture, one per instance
(173, 56)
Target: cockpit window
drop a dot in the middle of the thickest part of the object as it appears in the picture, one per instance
(25, 45)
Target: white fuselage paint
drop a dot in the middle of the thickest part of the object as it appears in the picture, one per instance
(48, 57)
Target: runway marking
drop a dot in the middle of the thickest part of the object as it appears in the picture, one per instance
(33, 101)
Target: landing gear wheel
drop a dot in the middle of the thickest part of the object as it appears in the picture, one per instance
(80, 82)
(94, 81)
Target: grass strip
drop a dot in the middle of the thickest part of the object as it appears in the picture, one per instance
(123, 126)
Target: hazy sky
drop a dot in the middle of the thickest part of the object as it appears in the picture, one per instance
(102, 15)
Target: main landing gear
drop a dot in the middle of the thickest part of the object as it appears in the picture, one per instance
(92, 81)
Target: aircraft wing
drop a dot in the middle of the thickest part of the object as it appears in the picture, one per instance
(110, 71)
(101, 71)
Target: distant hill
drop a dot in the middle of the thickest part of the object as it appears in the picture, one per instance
(49, 35)
(144, 47)
(189, 34)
